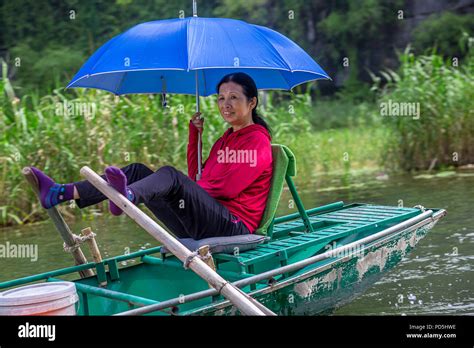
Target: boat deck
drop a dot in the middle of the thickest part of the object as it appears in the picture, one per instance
(289, 237)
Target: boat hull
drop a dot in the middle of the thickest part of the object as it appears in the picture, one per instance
(321, 288)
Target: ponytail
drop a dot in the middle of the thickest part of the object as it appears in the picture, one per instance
(259, 120)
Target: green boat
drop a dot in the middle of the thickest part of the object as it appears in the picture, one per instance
(305, 263)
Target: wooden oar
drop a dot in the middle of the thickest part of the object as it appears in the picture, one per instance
(241, 300)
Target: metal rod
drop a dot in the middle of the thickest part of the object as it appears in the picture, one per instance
(236, 296)
(46, 275)
(134, 254)
(195, 11)
(79, 268)
(285, 269)
(299, 204)
(321, 209)
(111, 294)
(199, 173)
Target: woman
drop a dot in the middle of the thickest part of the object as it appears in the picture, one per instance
(230, 197)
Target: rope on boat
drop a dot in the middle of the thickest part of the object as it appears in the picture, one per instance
(78, 240)
(419, 206)
(193, 255)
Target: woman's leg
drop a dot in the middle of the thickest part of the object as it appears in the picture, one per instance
(184, 206)
(89, 195)
(163, 212)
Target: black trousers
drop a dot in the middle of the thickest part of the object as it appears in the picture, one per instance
(184, 207)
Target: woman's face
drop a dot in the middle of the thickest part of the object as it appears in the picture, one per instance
(234, 106)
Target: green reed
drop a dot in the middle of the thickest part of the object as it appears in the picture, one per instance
(443, 134)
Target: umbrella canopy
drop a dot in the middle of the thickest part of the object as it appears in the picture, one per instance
(191, 55)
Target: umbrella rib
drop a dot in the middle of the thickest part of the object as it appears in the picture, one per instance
(311, 80)
(187, 41)
(274, 48)
(108, 43)
(117, 91)
(287, 84)
(230, 40)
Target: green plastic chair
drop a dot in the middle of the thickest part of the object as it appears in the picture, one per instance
(284, 167)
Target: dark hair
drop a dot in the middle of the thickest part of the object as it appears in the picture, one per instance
(250, 90)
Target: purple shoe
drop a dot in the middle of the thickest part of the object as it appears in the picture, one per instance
(51, 193)
(118, 180)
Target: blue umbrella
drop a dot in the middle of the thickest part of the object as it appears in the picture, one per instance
(191, 55)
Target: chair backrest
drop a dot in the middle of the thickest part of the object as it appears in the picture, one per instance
(284, 163)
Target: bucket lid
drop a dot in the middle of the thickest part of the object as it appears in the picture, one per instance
(36, 293)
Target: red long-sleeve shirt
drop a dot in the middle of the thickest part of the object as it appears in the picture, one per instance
(237, 172)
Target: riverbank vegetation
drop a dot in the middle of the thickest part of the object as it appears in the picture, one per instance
(416, 117)
(65, 130)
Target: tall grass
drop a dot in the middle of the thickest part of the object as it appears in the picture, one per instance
(339, 151)
(341, 112)
(443, 135)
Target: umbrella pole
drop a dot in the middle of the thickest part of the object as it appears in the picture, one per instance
(198, 176)
(195, 10)
(238, 298)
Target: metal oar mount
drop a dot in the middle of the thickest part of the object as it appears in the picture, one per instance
(242, 301)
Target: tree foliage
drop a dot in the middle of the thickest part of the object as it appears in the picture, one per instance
(447, 33)
(53, 38)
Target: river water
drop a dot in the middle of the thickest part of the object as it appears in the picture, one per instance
(436, 278)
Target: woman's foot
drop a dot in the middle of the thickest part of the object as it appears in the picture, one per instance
(51, 193)
(118, 180)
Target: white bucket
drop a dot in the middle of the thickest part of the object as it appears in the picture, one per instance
(58, 298)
